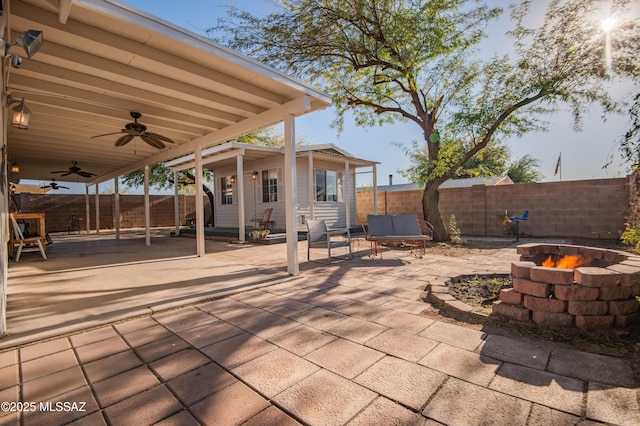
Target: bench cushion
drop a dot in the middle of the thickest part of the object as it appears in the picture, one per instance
(380, 225)
(406, 224)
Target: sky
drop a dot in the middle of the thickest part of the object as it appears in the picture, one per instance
(583, 154)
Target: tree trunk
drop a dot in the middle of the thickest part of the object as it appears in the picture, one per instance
(430, 201)
(209, 193)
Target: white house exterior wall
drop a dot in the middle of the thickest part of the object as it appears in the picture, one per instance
(332, 212)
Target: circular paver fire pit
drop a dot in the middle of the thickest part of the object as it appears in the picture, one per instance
(568, 285)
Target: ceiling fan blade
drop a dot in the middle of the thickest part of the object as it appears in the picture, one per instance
(63, 187)
(123, 140)
(152, 141)
(159, 137)
(86, 174)
(106, 134)
(66, 174)
(61, 171)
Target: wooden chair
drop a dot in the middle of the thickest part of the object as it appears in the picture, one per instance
(318, 236)
(22, 241)
(263, 219)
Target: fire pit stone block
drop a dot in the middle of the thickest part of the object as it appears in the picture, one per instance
(531, 248)
(544, 304)
(510, 296)
(552, 275)
(575, 292)
(630, 274)
(521, 269)
(579, 307)
(622, 321)
(531, 288)
(614, 293)
(594, 322)
(515, 312)
(552, 319)
(623, 307)
(597, 277)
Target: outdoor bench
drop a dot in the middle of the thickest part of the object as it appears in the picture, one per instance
(405, 229)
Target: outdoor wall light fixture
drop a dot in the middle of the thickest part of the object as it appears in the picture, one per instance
(254, 175)
(30, 41)
(233, 178)
(21, 114)
(15, 168)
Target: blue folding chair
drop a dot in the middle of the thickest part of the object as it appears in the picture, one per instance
(517, 220)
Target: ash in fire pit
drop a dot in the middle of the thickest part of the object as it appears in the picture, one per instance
(566, 285)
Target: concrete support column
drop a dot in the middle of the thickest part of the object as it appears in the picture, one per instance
(200, 247)
(97, 208)
(345, 194)
(375, 190)
(87, 208)
(290, 196)
(240, 196)
(176, 202)
(312, 194)
(116, 214)
(147, 208)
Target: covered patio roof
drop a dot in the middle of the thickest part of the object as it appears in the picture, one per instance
(101, 60)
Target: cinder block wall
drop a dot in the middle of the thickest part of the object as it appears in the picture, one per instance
(58, 208)
(579, 209)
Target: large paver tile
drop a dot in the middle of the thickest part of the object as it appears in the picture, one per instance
(516, 351)
(8, 358)
(135, 325)
(541, 415)
(48, 387)
(404, 321)
(613, 405)
(111, 366)
(402, 345)
(385, 412)
(184, 318)
(410, 384)
(454, 335)
(73, 404)
(302, 339)
(404, 305)
(324, 398)
(44, 348)
(266, 324)
(288, 307)
(101, 349)
(205, 335)
(227, 308)
(275, 371)
(345, 358)
(258, 298)
(330, 302)
(592, 367)
(200, 383)
(364, 311)
(319, 318)
(124, 385)
(144, 408)
(463, 403)
(93, 336)
(48, 364)
(161, 348)
(238, 349)
(93, 419)
(146, 335)
(271, 416)
(559, 392)
(178, 363)
(230, 406)
(181, 418)
(356, 330)
(9, 377)
(462, 364)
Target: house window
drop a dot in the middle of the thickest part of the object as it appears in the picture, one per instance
(270, 185)
(226, 189)
(328, 185)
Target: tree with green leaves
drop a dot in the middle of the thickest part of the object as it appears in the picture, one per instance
(417, 61)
